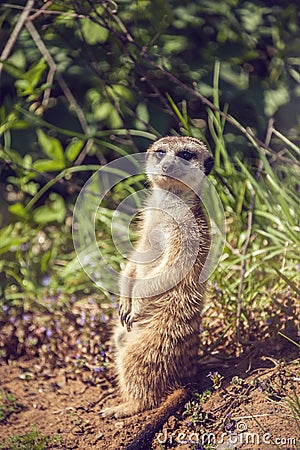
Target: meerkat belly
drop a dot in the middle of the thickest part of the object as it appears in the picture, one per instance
(154, 360)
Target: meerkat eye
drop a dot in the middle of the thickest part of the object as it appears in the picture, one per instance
(187, 155)
(160, 153)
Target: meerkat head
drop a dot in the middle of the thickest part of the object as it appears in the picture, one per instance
(178, 163)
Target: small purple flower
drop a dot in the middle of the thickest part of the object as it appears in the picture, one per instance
(98, 369)
(212, 375)
(25, 247)
(217, 288)
(82, 319)
(49, 333)
(5, 308)
(26, 317)
(103, 318)
(115, 303)
(46, 280)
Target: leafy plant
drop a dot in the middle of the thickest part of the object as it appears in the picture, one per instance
(8, 404)
(87, 83)
(33, 440)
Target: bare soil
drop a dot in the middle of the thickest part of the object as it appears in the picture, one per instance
(249, 401)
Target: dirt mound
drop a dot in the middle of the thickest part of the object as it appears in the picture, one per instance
(251, 402)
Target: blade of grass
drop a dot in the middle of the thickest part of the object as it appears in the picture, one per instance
(288, 281)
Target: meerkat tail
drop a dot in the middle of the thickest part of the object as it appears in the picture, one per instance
(173, 403)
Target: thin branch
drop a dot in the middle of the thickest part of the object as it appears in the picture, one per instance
(40, 11)
(47, 92)
(248, 238)
(43, 175)
(44, 12)
(52, 65)
(84, 152)
(16, 31)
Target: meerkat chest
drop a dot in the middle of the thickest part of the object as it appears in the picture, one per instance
(169, 235)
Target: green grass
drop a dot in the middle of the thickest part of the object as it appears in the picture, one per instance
(259, 189)
(30, 441)
(8, 404)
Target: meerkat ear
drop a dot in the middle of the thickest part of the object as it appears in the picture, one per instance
(208, 164)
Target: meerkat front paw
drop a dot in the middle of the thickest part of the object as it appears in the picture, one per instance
(125, 312)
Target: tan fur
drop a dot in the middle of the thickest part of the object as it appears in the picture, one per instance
(158, 338)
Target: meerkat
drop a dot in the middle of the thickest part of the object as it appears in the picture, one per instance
(157, 337)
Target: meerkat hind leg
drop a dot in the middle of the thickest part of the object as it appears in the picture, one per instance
(124, 410)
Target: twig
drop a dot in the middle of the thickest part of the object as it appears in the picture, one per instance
(47, 92)
(40, 11)
(43, 175)
(80, 158)
(52, 65)
(247, 242)
(16, 31)
(43, 11)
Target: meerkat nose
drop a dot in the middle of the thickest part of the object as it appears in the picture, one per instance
(168, 167)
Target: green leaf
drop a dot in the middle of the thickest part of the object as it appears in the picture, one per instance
(276, 98)
(50, 145)
(288, 281)
(35, 73)
(46, 258)
(73, 149)
(48, 165)
(8, 240)
(94, 33)
(55, 211)
(12, 69)
(18, 210)
(179, 114)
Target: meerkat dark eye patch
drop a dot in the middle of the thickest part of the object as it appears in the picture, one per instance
(159, 153)
(186, 154)
(208, 164)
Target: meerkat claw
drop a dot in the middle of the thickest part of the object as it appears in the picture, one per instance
(124, 310)
(125, 320)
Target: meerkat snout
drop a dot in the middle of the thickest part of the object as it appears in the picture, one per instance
(168, 166)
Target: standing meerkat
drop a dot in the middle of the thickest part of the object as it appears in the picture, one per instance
(161, 299)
